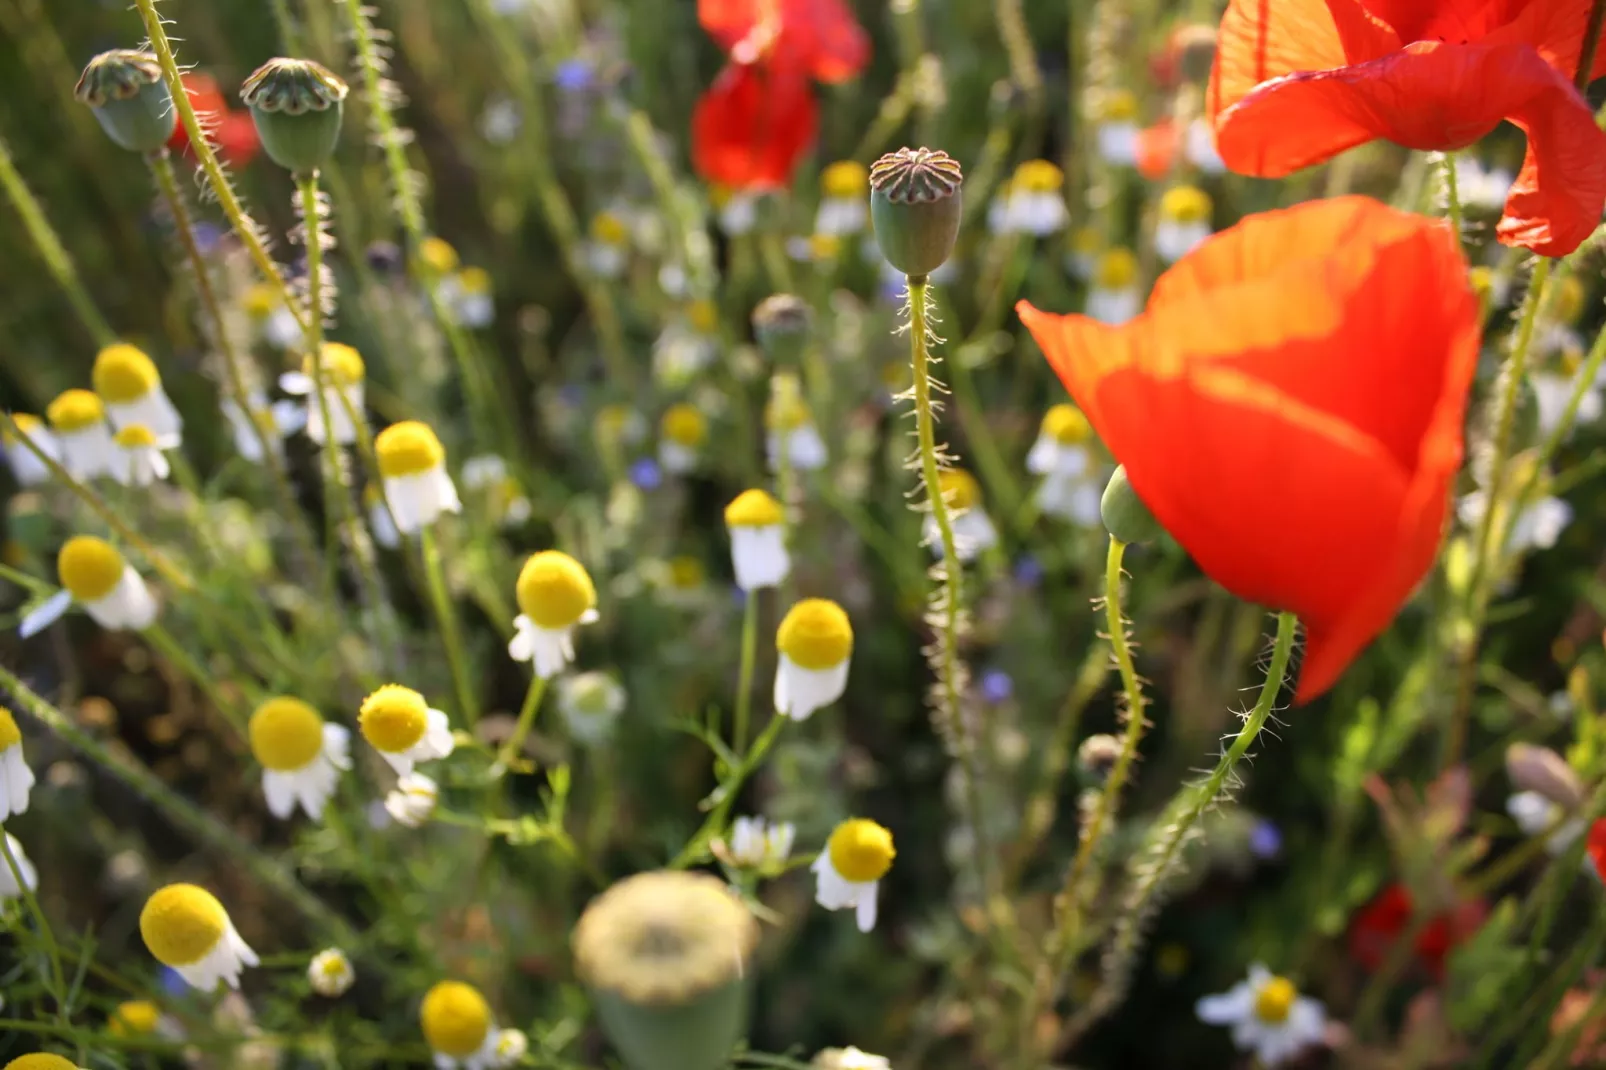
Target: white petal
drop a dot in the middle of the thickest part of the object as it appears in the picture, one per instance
(45, 614)
(865, 912)
(1232, 1006)
(280, 793)
(16, 780)
(296, 383)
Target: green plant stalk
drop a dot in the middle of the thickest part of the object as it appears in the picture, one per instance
(697, 847)
(1583, 383)
(521, 729)
(441, 600)
(1192, 804)
(699, 265)
(160, 638)
(185, 814)
(51, 251)
(744, 676)
(56, 981)
(1452, 196)
(336, 512)
(244, 226)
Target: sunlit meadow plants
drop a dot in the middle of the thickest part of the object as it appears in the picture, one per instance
(783, 533)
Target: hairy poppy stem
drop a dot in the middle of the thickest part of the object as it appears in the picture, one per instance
(1452, 195)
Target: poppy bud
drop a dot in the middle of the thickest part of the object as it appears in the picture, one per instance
(1543, 771)
(129, 98)
(915, 206)
(1125, 516)
(296, 105)
(783, 323)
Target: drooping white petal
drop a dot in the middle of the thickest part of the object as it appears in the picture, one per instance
(45, 614)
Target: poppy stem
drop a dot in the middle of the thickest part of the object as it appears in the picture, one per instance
(1452, 195)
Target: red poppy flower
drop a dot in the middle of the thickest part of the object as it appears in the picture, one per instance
(751, 127)
(820, 38)
(1298, 81)
(1157, 149)
(1596, 846)
(1290, 408)
(1386, 918)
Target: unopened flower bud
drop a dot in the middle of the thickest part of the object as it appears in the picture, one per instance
(916, 204)
(783, 323)
(129, 98)
(1544, 772)
(1097, 756)
(296, 105)
(1125, 516)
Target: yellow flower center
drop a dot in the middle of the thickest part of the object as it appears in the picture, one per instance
(815, 634)
(1117, 269)
(1185, 204)
(409, 448)
(455, 1018)
(438, 256)
(333, 966)
(554, 590)
(260, 301)
(10, 734)
(1119, 106)
(861, 851)
(846, 180)
(825, 246)
(135, 436)
(1065, 424)
(135, 1018)
(608, 229)
(474, 280)
(89, 568)
(181, 924)
(1038, 176)
(342, 365)
(685, 425)
(27, 424)
(612, 421)
(1087, 240)
(75, 410)
(41, 1061)
(703, 316)
(753, 509)
(286, 734)
(686, 573)
(959, 488)
(1275, 1000)
(787, 412)
(123, 373)
(1481, 279)
(394, 718)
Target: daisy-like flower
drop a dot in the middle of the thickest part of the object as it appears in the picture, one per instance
(849, 870)
(1071, 486)
(469, 297)
(381, 524)
(16, 779)
(344, 392)
(458, 1027)
(590, 703)
(134, 1018)
(186, 929)
(272, 318)
(28, 469)
(1117, 128)
(277, 419)
(412, 801)
(1033, 201)
(555, 594)
(1082, 259)
(1536, 815)
(974, 533)
(96, 576)
(401, 726)
(849, 1058)
(437, 258)
(844, 199)
(815, 642)
(141, 456)
(607, 248)
(78, 420)
(488, 477)
(330, 973)
(41, 1061)
(682, 433)
(1184, 222)
(1113, 297)
(131, 389)
(9, 888)
(688, 345)
(511, 1046)
(301, 756)
(758, 540)
(1268, 1016)
(735, 211)
(758, 844)
(412, 463)
(791, 428)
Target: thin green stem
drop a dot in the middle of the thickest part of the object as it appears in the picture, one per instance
(521, 729)
(441, 600)
(696, 848)
(56, 982)
(1452, 195)
(744, 677)
(181, 659)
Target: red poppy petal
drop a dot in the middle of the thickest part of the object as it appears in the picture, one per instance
(1259, 40)
(751, 127)
(818, 37)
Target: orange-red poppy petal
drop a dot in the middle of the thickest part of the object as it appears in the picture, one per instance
(1436, 96)
(751, 127)
(818, 37)
(1263, 39)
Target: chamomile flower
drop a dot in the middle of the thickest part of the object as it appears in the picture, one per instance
(590, 703)
(142, 460)
(469, 298)
(381, 523)
(848, 872)
(511, 1046)
(737, 213)
(412, 800)
(1062, 455)
(344, 392)
(607, 247)
(131, 390)
(791, 428)
(186, 929)
(815, 642)
(758, 540)
(1116, 128)
(412, 463)
(1268, 1016)
(1033, 202)
(849, 1058)
(28, 469)
(1113, 297)
(96, 576)
(974, 533)
(330, 973)
(78, 420)
(277, 419)
(688, 345)
(844, 199)
(9, 888)
(682, 433)
(437, 258)
(1184, 222)
(274, 321)
(1082, 259)
(458, 1027)
(301, 756)
(41, 1061)
(555, 594)
(134, 1018)
(401, 726)
(759, 844)
(16, 779)
(1536, 815)
(488, 477)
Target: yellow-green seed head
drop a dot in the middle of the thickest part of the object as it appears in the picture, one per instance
(296, 105)
(129, 98)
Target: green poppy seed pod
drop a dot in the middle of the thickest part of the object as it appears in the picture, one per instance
(916, 205)
(296, 105)
(124, 87)
(666, 957)
(783, 323)
(1125, 516)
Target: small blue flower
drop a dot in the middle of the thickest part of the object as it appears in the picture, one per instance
(170, 981)
(572, 75)
(207, 236)
(1265, 840)
(996, 686)
(646, 474)
(1028, 571)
